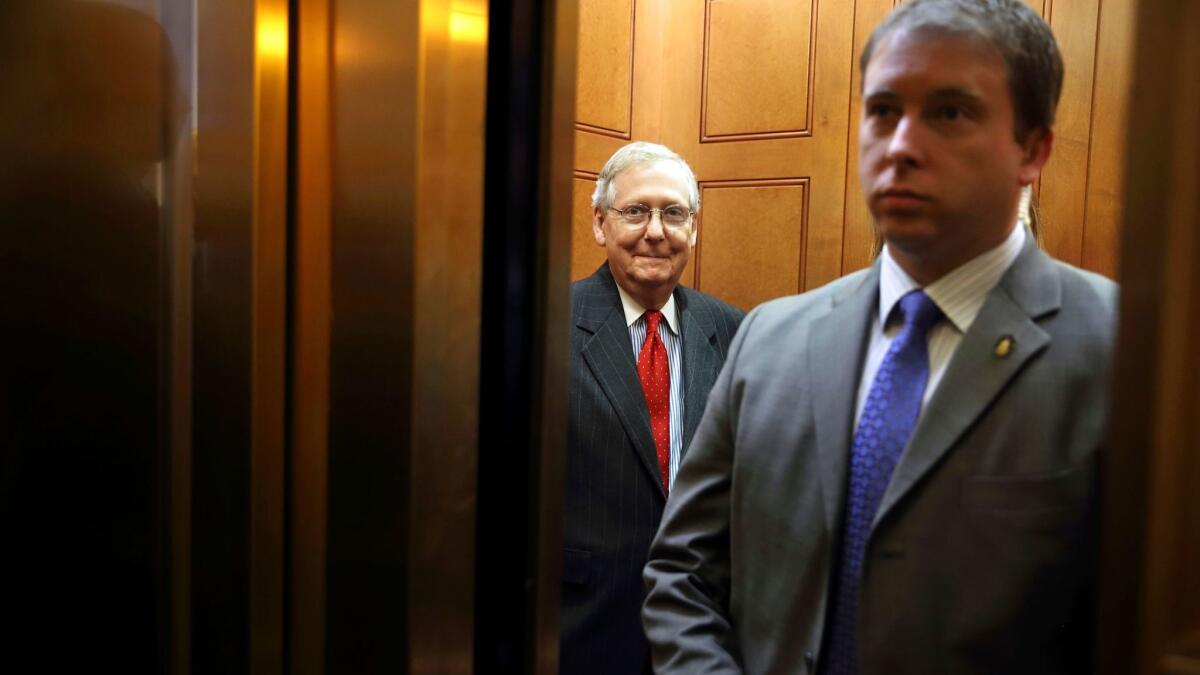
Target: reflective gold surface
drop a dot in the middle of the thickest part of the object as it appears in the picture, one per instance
(269, 278)
(373, 173)
(447, 264)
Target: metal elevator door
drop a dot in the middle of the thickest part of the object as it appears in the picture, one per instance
(266, 268)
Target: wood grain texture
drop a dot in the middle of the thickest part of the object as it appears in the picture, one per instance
(1172, 606)
(1064, 181)
(757, 75)
(604, 94)
(1149, 602)
(707, 65)
(1110, 114)
(820, 156)
(586, 255)
(752, 240)
(592, 146)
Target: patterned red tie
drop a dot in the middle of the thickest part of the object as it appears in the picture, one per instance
(656, 385)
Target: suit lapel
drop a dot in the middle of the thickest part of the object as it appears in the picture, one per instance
(700, 362)
(976, 375)
(835, 354)
(609, 356)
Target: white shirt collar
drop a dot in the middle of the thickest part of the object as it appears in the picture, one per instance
(961, 293)
(634, 311)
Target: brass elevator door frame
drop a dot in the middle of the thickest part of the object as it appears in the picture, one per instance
(391, 390)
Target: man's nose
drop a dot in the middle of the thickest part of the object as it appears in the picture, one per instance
(654, 226)
(906, 146)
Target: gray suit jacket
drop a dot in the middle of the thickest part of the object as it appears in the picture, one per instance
(981, 557)
(614, 496)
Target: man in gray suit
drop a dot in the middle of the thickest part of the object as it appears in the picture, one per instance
(644, 354)
(896, 473)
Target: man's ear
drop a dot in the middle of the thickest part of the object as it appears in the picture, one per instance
(695, 233)
(1035, 151)
(598, 225)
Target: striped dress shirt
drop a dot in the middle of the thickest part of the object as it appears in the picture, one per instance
(960, 295)
(669, 332)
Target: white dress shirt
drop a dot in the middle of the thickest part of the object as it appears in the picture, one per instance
(669, 332)
(960, 295)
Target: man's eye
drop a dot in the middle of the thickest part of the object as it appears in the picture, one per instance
(635, 211)
(675, 212)
(950, 113)
(879, 110)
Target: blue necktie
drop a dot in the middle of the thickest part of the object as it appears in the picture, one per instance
(887, 421)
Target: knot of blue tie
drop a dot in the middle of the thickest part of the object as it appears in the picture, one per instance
(884, 427)
(919, 311)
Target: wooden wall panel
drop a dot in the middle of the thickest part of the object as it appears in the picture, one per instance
(593, 145)
(754, 90)
(819, 155)
(1149, 604)
(1110, 112)
(727, 252)
(1065, 179)
(586, 256)
(604, 96)
(737, 89)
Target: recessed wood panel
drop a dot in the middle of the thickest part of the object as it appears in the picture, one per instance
(757, 74)
(751, 245)
(604, 93)
(1106, 175)
(722, 76)
(586, 255)
(1064, 183)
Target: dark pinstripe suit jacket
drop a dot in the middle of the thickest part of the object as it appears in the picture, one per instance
(614, 497)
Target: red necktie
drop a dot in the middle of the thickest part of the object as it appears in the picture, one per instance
(656, 385)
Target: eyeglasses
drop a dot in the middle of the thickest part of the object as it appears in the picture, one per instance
(673, 217)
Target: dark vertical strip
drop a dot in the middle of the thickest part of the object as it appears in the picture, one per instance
(175, 392)
(289, 383)
(1127, 463)
(525, 250)
(310, 319)
(81, 330)
(222, 339)
(1087, 167)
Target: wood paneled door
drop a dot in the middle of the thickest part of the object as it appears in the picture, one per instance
(754, 95)
(761, 98)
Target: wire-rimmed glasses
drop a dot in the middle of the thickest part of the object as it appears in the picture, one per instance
(673, 217)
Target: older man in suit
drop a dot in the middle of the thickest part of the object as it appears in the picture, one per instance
(896, 472)
(644, 354)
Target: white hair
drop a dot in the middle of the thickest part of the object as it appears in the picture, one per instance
(640, 152)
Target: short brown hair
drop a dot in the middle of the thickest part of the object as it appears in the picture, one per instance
(1035, 68)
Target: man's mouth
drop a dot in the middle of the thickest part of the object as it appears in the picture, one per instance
(900, 199)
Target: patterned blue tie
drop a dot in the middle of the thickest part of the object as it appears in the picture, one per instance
(886, 422)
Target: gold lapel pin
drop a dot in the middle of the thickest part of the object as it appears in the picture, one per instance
(1004, 346)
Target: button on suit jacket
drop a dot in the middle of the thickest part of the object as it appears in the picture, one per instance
(981, 556)
(613, 494)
